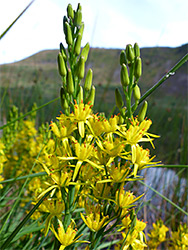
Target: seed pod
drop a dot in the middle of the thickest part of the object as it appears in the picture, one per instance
(85, 51)
(119, 100)
(138, 68)
(142, 112)
(70, 12)
(91, 97)
(77, 47)
(136, 50)
(88, 80)
(124, 75)
(70, 84)
(61, 65)
(130, 53)
(136, 93)
(78, 18)
(81, 68)
(80, 95)
(68, 34)
(123, 58)
(63, 51)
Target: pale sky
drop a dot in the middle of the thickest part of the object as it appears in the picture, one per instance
(108, 24)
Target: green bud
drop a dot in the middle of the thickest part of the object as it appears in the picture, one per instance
(63, 51)
(61, 65)
(68, 34)
(81, 68)
(91, 97)
(130, 53)
(138, 68)
(81, 29)
(78, 18)
(119, 100)
(142, 112)
(136, 50)
(64, 102)
(70, 12)
(80, 95)
(136, 93)
(124, 75)
(123, 58)
(88, 80)
(79, 7)
(64, 26)
(85, 51)
(70, 84)
(77, 47)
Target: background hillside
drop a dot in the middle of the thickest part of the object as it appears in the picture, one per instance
(36, 79)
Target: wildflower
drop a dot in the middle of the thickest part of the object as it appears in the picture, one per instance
(94, 219)
(179, 239)
(125, 199)
(81, 115)
(67, 237)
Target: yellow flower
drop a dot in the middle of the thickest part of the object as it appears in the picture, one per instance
(67, 237)
(94, 219)
(180, 237)
(81, 115)
(120, 172)
(125, 199)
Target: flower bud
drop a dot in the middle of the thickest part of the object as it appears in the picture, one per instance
(70, 84)
(81, 68)
(63, 51)
(80, 95)
(136, 50)
(142, 112)
(81, 29)
(64, 26)
(123, 58)
(88, 80)
(68, 34)
(124, 75)
(79, 7)
(61, 65)
(136, 93)
(130, 53)
(77, 47)
(64, 102)
(138, 68)
(91, 97)
(119, 100)
(85, 51)
(70, 12)
(78, 18)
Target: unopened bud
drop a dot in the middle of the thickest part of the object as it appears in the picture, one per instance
(136, 50)
(136, 93)
(124, 75)
(88, 80)
(80, 95)
(77, 47)
(61, 65)
(138, 68)
(64, 102)
(123, 58)
(70, 84)
(119, 100)
(91, 97)
(68, 34)
(130, 53)
(70, 12)
(78, 18)
(142, 112)
(81, 29)
(85, 51)
(79, 7)
(63, 51)
(81, 68)
(65, 20)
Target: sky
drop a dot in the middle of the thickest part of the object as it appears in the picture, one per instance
(108, 24)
